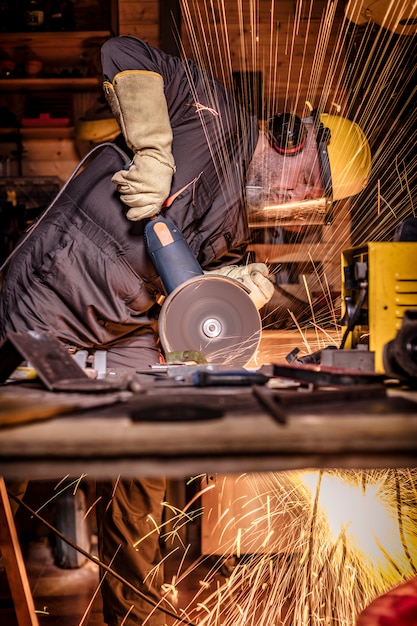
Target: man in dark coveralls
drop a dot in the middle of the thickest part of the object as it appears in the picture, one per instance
(83, 274)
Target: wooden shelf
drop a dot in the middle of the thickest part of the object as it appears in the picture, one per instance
(48, 132)
(60, 54)
(48, 84)
(46, 37)
(40, 132)
(68, 85)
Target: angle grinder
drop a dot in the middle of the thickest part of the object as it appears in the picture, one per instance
(207, 313)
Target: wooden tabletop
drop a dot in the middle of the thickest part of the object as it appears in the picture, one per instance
(178, 432)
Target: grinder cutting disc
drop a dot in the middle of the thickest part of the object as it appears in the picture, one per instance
(213, 315)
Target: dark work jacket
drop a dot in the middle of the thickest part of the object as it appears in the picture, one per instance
(83, 274)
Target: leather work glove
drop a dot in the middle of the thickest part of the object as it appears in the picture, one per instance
(144, 187)
(137, 100)
(254, 276)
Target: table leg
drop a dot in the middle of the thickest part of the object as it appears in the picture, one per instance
(14, 564)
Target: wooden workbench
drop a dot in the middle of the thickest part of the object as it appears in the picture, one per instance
(53, 434)
(351, 432)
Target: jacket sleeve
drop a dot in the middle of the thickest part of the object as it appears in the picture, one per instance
(122, 53)
(213, 142)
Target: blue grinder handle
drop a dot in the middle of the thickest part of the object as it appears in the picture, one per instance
(170, 253)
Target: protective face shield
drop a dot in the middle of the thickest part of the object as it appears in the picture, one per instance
(287, 133)
(333, 163)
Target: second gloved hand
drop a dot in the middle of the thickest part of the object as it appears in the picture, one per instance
(145, 186)
(254, 276)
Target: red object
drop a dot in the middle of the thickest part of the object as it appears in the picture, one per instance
(44, 120)
(397, 607)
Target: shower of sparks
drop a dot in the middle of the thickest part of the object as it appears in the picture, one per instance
(289, 548)
(307, 548)
(308, 54)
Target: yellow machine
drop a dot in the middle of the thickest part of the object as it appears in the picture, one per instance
(379, 290)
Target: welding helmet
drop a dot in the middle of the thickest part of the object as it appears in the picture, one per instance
(287, 133)
(349, 156)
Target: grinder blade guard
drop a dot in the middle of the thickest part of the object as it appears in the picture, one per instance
(210, 314)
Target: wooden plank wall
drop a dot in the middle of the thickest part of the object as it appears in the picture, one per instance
(140, 19)
(292, 43)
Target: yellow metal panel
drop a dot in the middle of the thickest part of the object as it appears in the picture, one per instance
(392, 290)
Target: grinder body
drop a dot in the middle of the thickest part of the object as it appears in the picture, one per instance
(170, 253)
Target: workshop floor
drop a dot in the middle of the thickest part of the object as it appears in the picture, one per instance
(61, 596)
(71, 597)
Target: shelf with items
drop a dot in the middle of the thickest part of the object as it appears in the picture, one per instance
(58, 15)
(32, 152)
(50, 56)
(49, 77)
(69, 80)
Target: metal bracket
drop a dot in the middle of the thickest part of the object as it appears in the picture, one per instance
(54, 365)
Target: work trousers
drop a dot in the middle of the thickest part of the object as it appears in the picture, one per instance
(129, 515)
